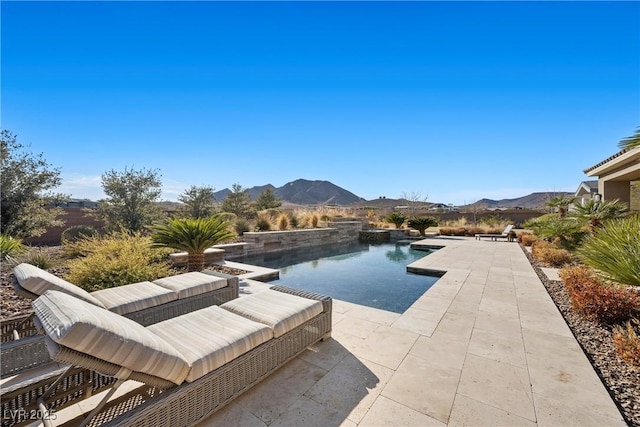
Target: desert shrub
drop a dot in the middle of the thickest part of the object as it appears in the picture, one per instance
(39, 258)
(10, 247)
(314, 220)
(472, 231)
(263, 222)
(550, 254)
(283, 222)
(446, 231)
(495, 221)
(241, 226)
(615, 250)
(294, 222)
(597, 300)
(117, 259)
(77, 232)
(459, 231)
(626, 341)
(526, 238)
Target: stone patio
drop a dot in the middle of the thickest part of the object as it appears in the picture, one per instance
(485, 345)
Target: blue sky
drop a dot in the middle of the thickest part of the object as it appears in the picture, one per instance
(455, 101)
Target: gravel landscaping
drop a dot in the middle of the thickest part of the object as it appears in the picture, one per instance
(621, 379)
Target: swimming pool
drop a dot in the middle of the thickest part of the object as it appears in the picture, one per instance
(368, 274)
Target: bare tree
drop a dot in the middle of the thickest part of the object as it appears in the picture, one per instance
(415, 200)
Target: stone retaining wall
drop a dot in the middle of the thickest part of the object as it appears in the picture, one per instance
(276, 241)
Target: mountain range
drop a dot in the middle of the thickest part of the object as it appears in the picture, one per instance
(302, 192)
(316, 192)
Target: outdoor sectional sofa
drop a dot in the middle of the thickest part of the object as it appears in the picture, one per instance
(145, 303)
(189, 366)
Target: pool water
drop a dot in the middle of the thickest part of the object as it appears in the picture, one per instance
(368, 274)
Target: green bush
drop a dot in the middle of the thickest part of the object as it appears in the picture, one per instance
(77, 232)
(117, 259)
(614, 250)
(241, 226)
(10, 247)
(566, 232)
(40, 259)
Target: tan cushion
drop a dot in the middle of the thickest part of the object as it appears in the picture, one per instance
(37, 281)
(88, 329)
(134, 297)
(191, 284)
(281, 312)
(211, 337)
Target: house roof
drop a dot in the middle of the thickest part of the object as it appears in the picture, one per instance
(624, 165)
(607, 160)
(588, 187)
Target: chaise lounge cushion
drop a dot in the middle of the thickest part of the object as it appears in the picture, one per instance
(191, 284)
(98, 332)
(134, 297)
(281, 312)
(211, 337)
(37, 281)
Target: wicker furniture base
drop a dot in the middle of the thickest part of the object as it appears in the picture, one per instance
(190, 403)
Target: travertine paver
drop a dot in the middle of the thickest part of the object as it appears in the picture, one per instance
(484, 346)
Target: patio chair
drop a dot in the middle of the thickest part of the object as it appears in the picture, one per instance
(145, 302)
(506, 234)
(190, 366)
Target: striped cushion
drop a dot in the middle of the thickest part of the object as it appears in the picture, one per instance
(108, 336)
(37, 281)
(211, 337)
(281, 312)
(190, 284)
(134, 297)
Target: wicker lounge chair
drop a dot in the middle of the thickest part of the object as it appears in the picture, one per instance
(506, 234)
(145, 302)
(191, 365)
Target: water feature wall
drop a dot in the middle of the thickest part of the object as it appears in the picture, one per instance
(276, 241)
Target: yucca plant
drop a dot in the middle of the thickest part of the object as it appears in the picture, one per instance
(10, 247)
(595, 212)
(193, 236)
(614, 250)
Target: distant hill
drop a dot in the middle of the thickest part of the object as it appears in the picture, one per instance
(532, 201)
(302, 192)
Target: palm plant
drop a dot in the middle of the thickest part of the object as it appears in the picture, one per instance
(396, 218)
(614, 250)
(193, 236)
(565, 232)
(9, 247)
(631, 141)
(594, 212)
(422, 223)
(561, 202)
